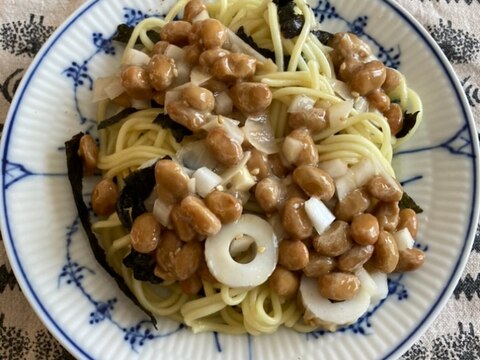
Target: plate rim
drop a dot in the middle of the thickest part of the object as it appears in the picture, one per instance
(413, 335)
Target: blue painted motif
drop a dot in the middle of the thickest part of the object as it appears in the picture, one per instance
(133, 17)
(103, 44)
(15, 172)
(78, 70)
(459, 144)
(217, 341)
(250, 347)
(73, 273)
(411, 180)
(390, 56)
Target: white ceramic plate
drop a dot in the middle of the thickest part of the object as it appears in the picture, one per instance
(81, 304)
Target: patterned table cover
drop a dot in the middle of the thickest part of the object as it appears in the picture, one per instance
(25, 26)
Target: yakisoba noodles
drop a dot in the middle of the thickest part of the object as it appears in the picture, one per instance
(277, 204)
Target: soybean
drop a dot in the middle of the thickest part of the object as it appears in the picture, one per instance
(338, 286)
(202, 220)
(145, 233)
(293, 254)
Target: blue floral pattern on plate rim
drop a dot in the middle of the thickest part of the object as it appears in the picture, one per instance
(463, 139)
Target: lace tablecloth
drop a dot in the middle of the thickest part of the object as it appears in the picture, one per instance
(24, 27)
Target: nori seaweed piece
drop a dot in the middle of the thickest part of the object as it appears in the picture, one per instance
(75, 176)
(178, 131)
(116, 118)
(281, 2)
(138, 187)
(323, 36)
(409, 121)
(291, 24)
(265, 52)
(124, 32)
(249, 40)
(406, 202)
(143, 266)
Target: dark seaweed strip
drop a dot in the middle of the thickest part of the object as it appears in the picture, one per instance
(138, 187)
(406, 202)
(281, 2)
(75, 176)
(143, 266)
(178, 131)
(291, 24)
(124, 32)
(153, 36)
(116, 118)
(265, 52)
(409, 121)
(249, 40)
(323, 36)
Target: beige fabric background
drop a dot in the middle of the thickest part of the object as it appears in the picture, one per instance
(453, 23)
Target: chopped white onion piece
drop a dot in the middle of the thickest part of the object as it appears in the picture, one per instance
(136, 57)
(198, 76)
(215, 121)
(148, 163)
(232, 273)
(187, 171)
(229, 125)
(170, 96)
(366, 281)
(203, 15)
(232, 129)
(319, 214)
(236, 44)
(301, 103)
(404, 239)
(115, 88)
(341, 89)
(195, 155)
(176, 53)
(345, 184)
(140, 104)
(335, 168)
(161, 212)
(150, 201)
(381, 281)
(361, 104)
(206, 181)
(337, 113)
(192, 187)
(291, 149)
(340, 313)
(232, 171)
(259, 133)
(183, 73)
(242, 181)
(101, 84)
(363, 171)
(223, 103)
